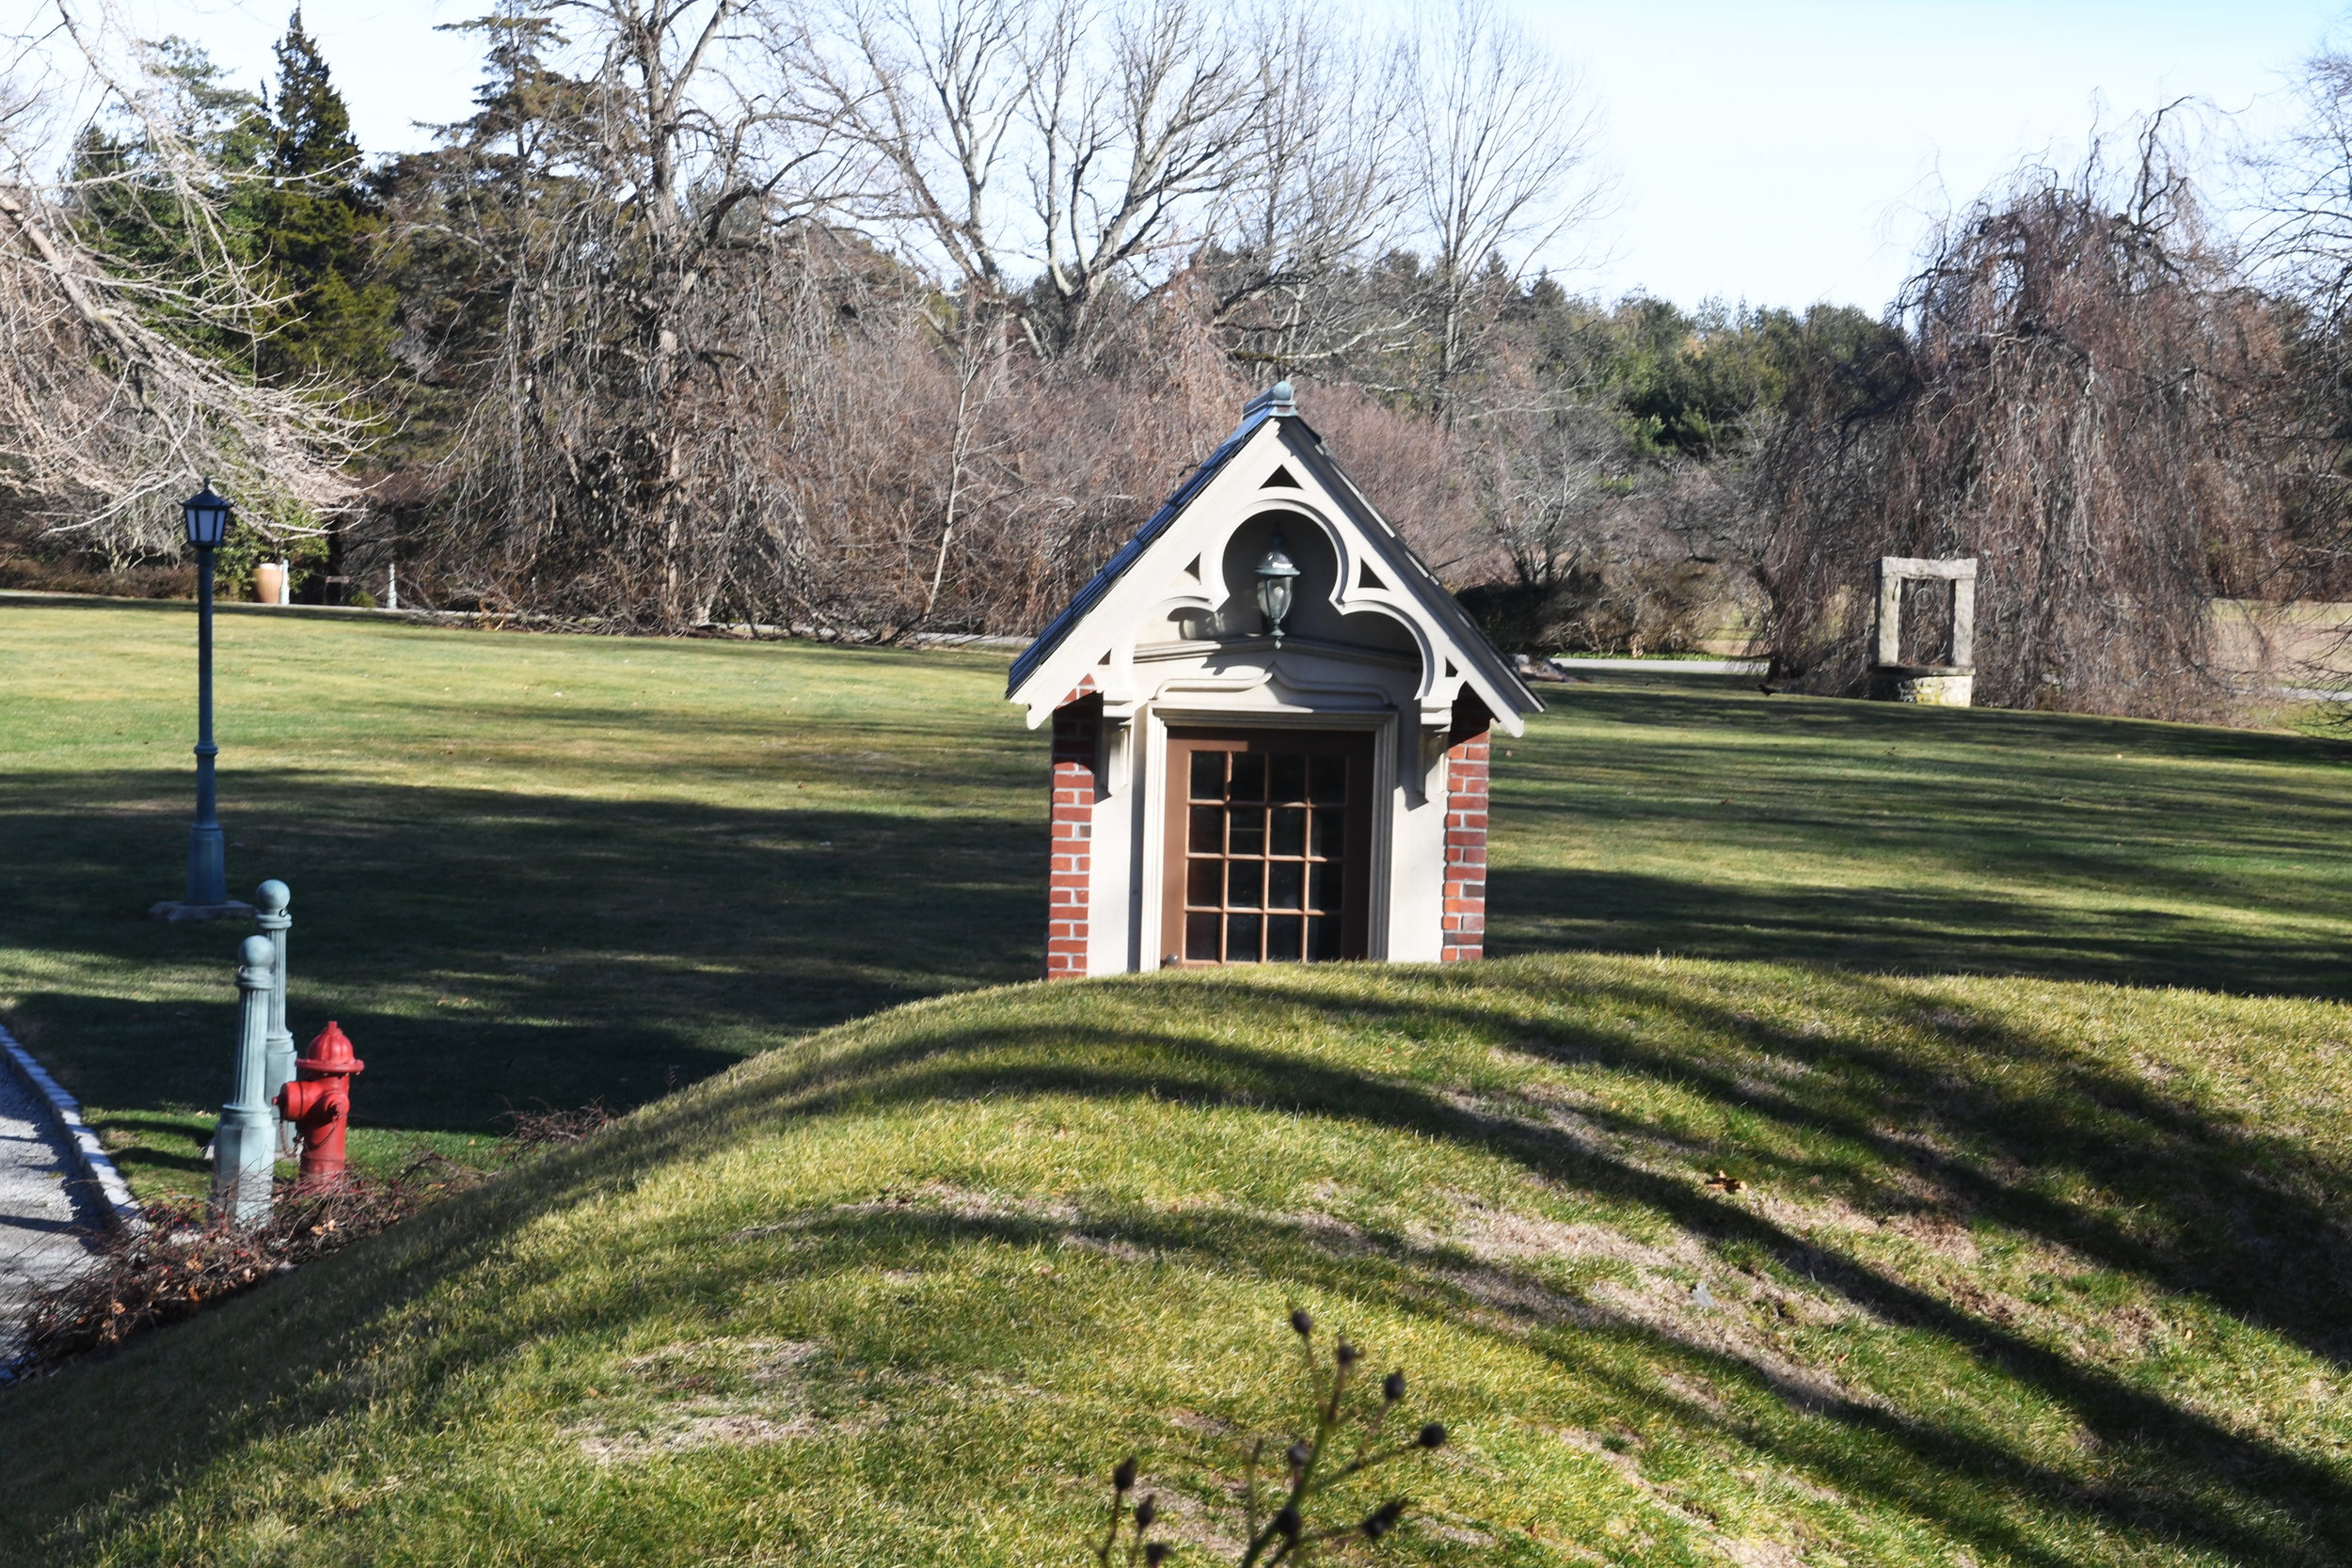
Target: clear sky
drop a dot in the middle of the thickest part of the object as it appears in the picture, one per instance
(1775, 151)
(1783, 151)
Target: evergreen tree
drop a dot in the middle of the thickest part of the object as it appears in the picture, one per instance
(466, 217)
(320, 226)
(126, 202)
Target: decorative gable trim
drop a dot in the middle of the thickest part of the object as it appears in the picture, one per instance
(1168, 567)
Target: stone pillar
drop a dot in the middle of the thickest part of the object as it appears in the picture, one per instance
(1890, 626)
(1078, 761)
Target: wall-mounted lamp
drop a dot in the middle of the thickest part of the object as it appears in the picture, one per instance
(1274, 575)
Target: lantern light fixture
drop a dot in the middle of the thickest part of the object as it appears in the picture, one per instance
(1275, 576)
(207, 518)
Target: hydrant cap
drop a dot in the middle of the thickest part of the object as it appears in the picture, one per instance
(330, 1052)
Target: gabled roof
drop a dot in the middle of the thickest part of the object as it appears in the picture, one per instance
(1257, 411)
(1446, 625)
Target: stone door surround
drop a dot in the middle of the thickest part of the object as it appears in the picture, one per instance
(1896, 570)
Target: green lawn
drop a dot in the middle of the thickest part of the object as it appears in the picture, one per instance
(539, 870)
(2033, 1268)
(527, 870)
(1699, 817)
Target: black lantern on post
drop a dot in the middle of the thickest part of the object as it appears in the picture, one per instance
(1276, 575)
(206, 516)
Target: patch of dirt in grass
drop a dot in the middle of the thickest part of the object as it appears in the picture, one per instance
(1757, 1552)
(2136, 1333)
(1696, 1391)
(695, 1431)
(1214, 1529)
(1939, 1234)
(1516, 1293)
(1728, 1330)
(1938, 1227)
(756, 1360)
(738, 1393)
(1212, 1426)
(965, 1203)
(1499, 1235)
(1109, 1246)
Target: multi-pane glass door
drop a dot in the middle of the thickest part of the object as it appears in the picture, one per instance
(1266, 846)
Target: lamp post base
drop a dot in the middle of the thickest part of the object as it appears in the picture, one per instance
(176, 911)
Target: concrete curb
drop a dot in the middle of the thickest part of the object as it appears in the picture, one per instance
(68, 1111)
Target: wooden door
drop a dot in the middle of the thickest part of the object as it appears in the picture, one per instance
(1269, 846)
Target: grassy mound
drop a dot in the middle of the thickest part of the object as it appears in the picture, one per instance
(2023, 1272)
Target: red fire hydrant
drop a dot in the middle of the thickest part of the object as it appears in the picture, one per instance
(318, 1101)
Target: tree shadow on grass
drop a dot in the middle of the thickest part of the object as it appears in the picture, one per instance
(1911, 931)
(2174, 1475)
(487, 949)
(1993, 1122)
(2180, 1475)
(1966, 1487)
(2166, 1474)
(1977, 841)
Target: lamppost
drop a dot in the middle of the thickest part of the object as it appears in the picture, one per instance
(206, 516)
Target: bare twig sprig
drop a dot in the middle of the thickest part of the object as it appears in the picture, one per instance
(1285, 1524)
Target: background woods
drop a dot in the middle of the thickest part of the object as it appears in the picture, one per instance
(2086, 398)
(871, 318)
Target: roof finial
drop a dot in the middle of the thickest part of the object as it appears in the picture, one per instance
(1276, 398)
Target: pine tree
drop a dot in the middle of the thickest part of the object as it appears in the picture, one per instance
(126, 204)
(320, 225)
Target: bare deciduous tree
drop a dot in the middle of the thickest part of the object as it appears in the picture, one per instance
(1322, 196)
(2080, 406)
(1121, 129)
(2300, 246)
(633, 370)
(109, 411)
(1501, 166)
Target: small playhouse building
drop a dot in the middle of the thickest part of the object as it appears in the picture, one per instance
(1270, 729)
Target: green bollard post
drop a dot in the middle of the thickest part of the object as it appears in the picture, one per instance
(244, 1148)
(270, 901)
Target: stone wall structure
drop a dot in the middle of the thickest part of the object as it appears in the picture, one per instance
(1948, 684)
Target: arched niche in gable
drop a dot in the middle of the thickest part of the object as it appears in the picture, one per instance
(1319, 593)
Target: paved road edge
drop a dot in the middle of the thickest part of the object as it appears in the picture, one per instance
(95, 1165)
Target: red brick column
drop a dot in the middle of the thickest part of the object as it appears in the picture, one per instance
(1077, 739)
(1466, 834)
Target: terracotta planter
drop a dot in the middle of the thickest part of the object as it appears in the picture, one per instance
(269, 583)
